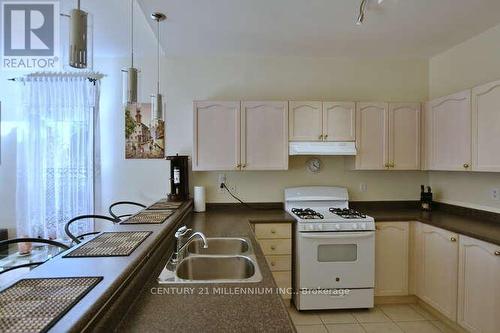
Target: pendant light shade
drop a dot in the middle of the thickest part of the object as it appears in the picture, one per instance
(157, 99)
(78, 38)
(132, 73)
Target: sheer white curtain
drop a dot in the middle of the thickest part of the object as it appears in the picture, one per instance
(55, 154)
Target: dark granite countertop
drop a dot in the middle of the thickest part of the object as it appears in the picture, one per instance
(214, 307)
(469, 222)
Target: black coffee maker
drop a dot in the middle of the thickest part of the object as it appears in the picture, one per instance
(179, 178)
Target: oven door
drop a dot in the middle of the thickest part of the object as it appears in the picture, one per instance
(336, 260)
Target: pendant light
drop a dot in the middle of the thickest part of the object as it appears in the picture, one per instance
(78, 38)
(132, 72)
(157, 100)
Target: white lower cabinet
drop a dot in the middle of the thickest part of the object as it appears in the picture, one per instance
(437, 268)
(275, 240)
(391, 258)
(478, 286)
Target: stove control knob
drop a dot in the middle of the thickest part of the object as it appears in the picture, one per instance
(337, 226)
(320, 227)
(354, 226)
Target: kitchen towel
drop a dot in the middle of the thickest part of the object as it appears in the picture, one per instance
(199, 199)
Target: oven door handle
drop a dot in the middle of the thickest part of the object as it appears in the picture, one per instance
(337, 236)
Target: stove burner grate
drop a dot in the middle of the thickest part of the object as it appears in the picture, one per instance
(307, 214)
(347, 213)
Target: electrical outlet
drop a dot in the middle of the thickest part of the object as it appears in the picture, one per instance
(363, 187)
(221, 179)
(495, 194)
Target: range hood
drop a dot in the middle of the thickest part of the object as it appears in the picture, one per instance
(322, 148)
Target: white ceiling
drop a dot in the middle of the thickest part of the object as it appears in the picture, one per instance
(324, 28)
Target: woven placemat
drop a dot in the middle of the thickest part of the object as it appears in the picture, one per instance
(163, 204)
(110, 244)
(143, 217)
(35, 305)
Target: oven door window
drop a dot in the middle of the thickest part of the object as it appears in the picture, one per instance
(337, 252)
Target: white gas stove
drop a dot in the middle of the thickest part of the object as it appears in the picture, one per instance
(335, 250)
(325, 208)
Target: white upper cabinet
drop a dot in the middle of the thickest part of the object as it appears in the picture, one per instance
(391, 258)
(306, 121)
(426, 126)
(451, 132)
(216, 143)
(251, 137)
(486, 127)
(478, 286)
(264, 135)
(372, 121)
(339, 121)
(437, 269)
(404, 136)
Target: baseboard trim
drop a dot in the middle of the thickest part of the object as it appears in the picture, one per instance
(407, 299)
(448, 322)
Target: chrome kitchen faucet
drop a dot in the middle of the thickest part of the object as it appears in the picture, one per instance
(180, 245)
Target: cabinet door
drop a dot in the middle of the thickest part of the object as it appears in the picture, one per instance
(478, 286)
(451, 132)
(404, 136)
(216, 143)
(306, 120)
(371, 136)
(486, 127)
(426, 131)
(437, 282)
(391, 258)
(264, 135)
(339, 121)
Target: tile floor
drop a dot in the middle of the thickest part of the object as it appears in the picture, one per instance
(408, 318)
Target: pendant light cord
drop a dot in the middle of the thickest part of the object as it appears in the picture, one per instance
(132, 31)
(158, 59)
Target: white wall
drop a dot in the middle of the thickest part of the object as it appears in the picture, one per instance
(137, 180)
(284, 78)
(471, 63)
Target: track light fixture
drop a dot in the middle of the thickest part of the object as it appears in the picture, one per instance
(362, 9)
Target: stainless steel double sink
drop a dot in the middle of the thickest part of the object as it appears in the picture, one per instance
(225, 260)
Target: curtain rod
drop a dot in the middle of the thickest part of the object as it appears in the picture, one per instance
(92, 76)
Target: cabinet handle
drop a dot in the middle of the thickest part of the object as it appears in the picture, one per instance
(326, 136)
(466, 165)
(244, 165)
(273, 231)
(386, 165)
(321, 137)
(393, 165)
(273, 247)
(453, 239)
(497, 253)
(238, 166)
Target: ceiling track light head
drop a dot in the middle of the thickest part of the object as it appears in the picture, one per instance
(362, 9)
(158, 17)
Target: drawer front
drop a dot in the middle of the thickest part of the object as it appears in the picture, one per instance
(279, 263)
(276, 246)
(273, 230)
(284, 282)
